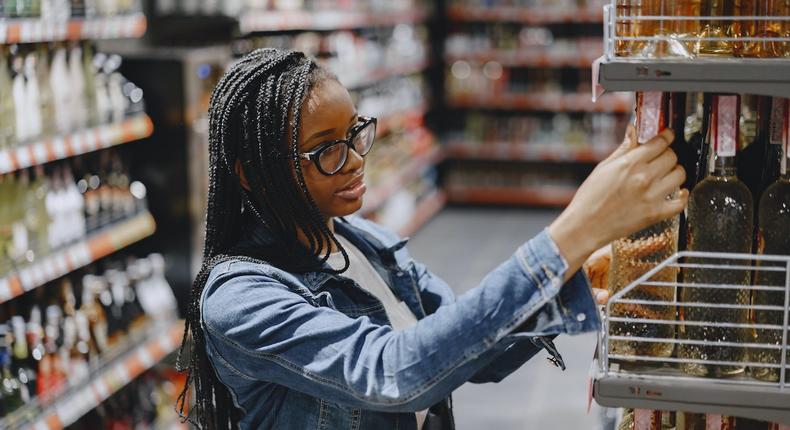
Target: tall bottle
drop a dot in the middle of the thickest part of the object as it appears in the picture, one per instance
(7, 109)
(774, 225)
(765, 28)
(715, 29)
(720, 219)
(10, 386)
(635, 255)
(753, 156)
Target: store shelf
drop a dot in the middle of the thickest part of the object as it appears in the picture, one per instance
(72, 405)
(694, 396)
(414, 169)
(523, 151)
(78, 143)
(768, 77)
(426, 209)
(61, 262)
(327, 20)
(523, 15)
(529, 57)
(407, 118)
(527, 196)
(551, 102)
(30, 30)
(384, 73)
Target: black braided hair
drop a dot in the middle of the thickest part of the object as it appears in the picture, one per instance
(254, 118)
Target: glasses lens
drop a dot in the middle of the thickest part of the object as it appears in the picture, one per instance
(364, 139)
(333, 158)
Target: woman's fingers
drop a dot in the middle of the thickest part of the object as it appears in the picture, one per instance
(664, 163)
(653, 148)
(601, 296)
(667, 184)
(672, 207)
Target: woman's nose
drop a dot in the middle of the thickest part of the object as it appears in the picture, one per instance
(354, 161)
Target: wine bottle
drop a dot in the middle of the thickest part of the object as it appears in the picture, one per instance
(773, 239)
(720, 219)
(10, 387)
(635, 255)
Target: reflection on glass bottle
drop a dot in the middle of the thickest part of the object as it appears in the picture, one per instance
(715, 29)
(720, 219)
(635, 255)
(774, 225)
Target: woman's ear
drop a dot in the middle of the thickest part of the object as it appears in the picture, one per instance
(242, 177)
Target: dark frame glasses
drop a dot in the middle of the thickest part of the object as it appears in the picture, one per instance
(330, 157)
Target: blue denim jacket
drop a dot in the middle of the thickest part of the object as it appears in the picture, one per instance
(316, 351)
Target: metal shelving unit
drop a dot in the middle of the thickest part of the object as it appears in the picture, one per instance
(627, 375)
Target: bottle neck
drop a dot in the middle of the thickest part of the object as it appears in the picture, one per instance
(724, 166)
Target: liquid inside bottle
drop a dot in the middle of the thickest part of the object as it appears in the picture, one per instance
(765, 28)
(712, 31)
(720, 219)
(635, 255)
(773, 239)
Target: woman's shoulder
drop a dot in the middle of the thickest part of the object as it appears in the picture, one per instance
(235, 287)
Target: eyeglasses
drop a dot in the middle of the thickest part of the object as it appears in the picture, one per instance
(330, 157)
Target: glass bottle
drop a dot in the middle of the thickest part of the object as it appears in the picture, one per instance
(773, 239)
(720, 219)
(635, 255)
(7, 109)
(765, 28)
(715, 29)
(10, 386)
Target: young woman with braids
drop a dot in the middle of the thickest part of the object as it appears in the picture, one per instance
(305, 317)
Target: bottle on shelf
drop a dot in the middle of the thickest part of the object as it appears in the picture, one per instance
(773, 228)
(709, 40)
(10, 387)
(7, 105)
(720, 219)
(635, 255)
(762, 28)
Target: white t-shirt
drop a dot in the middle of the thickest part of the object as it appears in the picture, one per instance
(363, 273)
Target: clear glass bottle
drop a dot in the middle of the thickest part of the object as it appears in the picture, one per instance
(773, 239)
(764, 28)
(720, 219)
(715, 29)
(635, 255)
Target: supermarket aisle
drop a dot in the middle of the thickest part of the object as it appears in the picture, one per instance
(461, 245)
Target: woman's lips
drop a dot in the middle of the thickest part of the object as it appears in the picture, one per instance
(354, 191)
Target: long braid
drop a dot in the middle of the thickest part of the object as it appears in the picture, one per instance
(254, 118)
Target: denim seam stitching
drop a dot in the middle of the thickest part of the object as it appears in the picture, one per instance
(522, 259)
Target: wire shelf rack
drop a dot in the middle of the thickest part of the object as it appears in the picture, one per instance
(654, 50)
(700, 332)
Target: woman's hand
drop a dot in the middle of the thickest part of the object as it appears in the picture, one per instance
(597, 269)
(624, 194)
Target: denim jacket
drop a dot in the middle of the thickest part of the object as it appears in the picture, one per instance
(316, 351)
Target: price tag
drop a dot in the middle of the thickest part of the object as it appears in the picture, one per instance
(41, 425)
(109, 136)
(6, 163)
(61, 263)
(26, 31)
(77, 143)
(40, 153)
(91, 144)
(5, 290)
(145, 358)
(26, 279)
(59, 148)
(23, 158)
(3, 32)
(101, 390)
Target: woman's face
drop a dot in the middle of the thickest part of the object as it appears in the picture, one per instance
(327, 114)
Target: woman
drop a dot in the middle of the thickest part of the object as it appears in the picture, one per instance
(305, 317)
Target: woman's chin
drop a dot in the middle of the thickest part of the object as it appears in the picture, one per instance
(348, 207)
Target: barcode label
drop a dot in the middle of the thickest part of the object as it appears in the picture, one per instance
(727, 126)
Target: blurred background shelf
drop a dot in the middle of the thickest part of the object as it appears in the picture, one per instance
(525, 151)
(78, 143)
(538, 57)
(523, 15)
(550, 196)
(31, 30)
(550, 102)
(328, 20)
(160, 341)
(62, 261)
(426, 209)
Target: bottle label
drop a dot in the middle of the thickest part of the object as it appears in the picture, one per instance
(778, 115)
(726, 125)
(649, 116)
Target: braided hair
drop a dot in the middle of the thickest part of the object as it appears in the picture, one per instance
(254, 119)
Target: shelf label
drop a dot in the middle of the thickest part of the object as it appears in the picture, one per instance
(23, 158)
(3, 32)
(40, 153)
(90, 140)
(59, 147)
(5, 290)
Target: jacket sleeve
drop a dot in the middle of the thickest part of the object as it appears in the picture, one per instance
(271, 332)
(512, 351)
